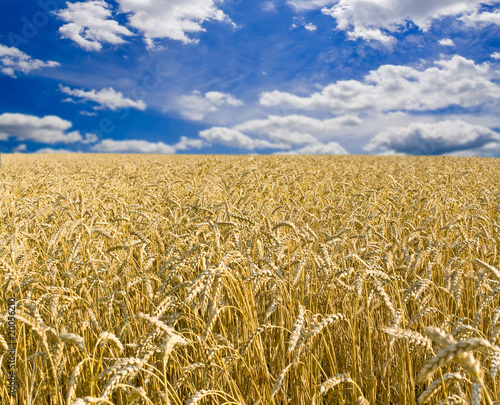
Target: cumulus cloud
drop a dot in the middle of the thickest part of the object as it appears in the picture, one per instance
(143, 146)
(378, 19)
(330, 148)
(132, 146)
(310, 4)
(197, 105)
(286, 133)
(295, 129)
(49, 129)
(447, 42)
(301, 22)
(495, 55)
(173, 19)
(52, 150)
(403, 106)
(186, 143)
(90, 24)
(227, 136)
(106, 98)
(12, 60)
(457, 81)
(20, 148)
(481, 18)
(433, 138)
(234, 138)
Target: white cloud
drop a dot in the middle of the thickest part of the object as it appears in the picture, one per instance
(377, 19)
(433, 138)
(447, 42)
(142, 146)
(228, 137)
(173, 19)
(491, 149)
(186, 143)
(234, 138)
(49, 129)
(132, 146)
(196, 106)
(269, 6)
(495, 55)
(13, 60)
(310, 4)
(276, 132)
(330, 148)
(456, 81)
(484, 18)
(392, 100)
(90, 138)
(88, 113)
(106, 98)
(20, 148)
(307, 26)
(90, 24)
(51, 150)
(295, 129)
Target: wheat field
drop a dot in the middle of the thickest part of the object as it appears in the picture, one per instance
(250, 280)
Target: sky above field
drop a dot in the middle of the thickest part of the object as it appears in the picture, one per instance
(414, 77)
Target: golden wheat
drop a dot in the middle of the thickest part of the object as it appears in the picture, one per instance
(250, 280)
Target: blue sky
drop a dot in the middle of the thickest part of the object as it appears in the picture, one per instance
(276, 76)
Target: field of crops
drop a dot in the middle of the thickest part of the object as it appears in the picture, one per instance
(250, 280)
